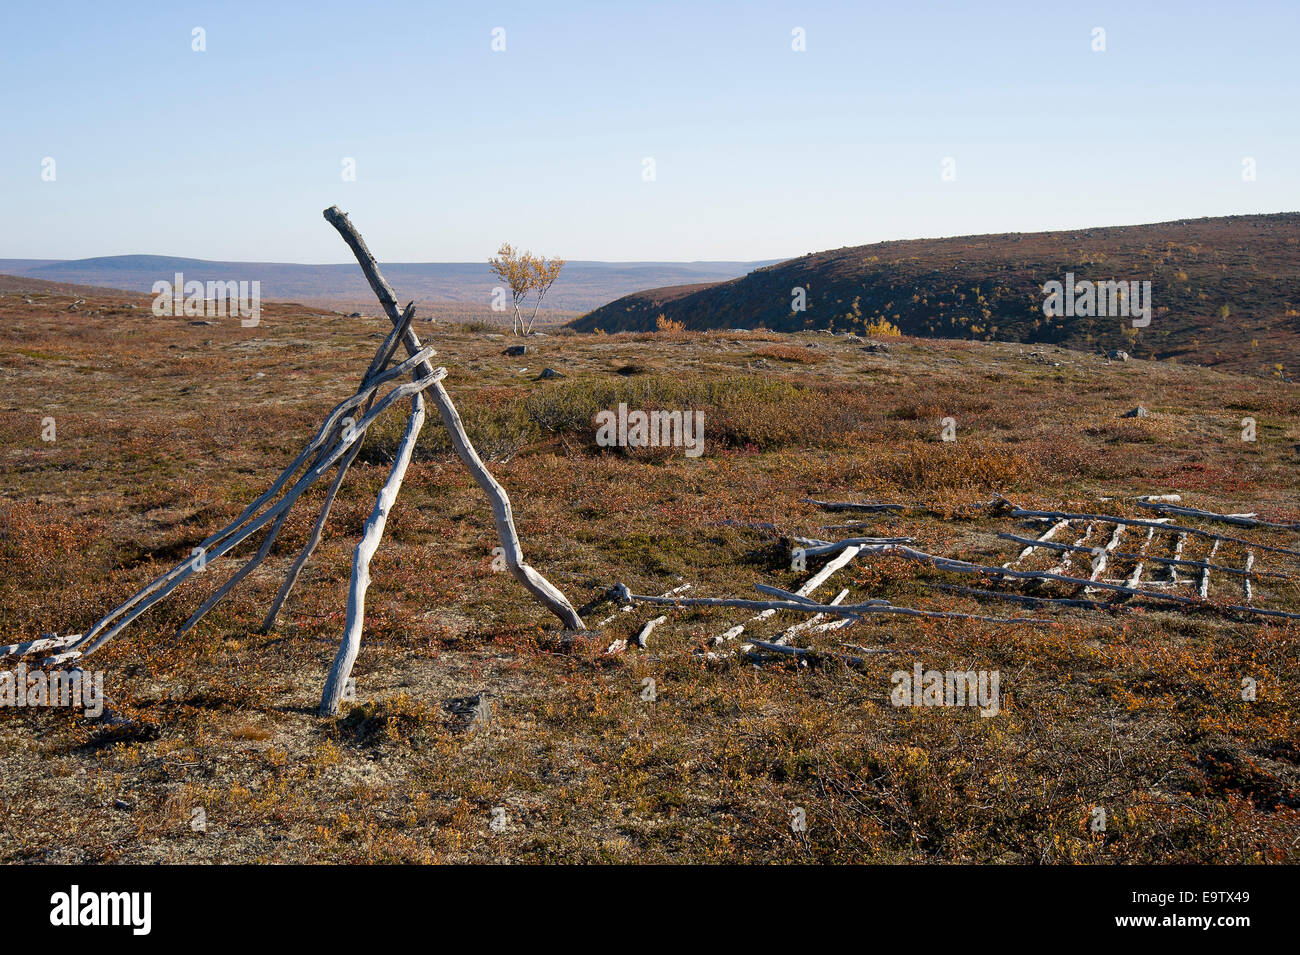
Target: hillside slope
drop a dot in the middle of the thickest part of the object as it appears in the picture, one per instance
(25, 285)
(1226, 291)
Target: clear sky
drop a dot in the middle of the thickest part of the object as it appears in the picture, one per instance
(759, 151)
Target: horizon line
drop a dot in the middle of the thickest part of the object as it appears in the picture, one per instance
(931, 238)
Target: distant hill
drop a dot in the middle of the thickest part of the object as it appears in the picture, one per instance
(1226, 290)
(581, 286)
(24, 284)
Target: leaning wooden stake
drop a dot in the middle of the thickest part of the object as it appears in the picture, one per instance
(535, 583)
(377, 366)
(230, 537)
(323, 441)
(374, 530)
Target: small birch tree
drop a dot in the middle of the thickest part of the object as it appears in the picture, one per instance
(524, 274)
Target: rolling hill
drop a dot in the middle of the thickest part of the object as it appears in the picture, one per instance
(1226, 291)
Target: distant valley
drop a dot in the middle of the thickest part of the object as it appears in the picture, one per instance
(583, 285)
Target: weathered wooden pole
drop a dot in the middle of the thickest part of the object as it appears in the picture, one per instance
(535, 583)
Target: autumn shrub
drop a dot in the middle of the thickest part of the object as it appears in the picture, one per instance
(917, 411)
(497, 432)
(883, 328)
(398, 719)
(666, 326)
(960, 464)
(733, 407)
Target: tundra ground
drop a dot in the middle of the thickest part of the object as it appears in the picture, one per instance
(166, 429)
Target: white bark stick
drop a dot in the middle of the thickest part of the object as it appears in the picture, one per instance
(47, 642)
(60, 658)
(1046, 536)
(800, 653)
(802, 605)
(238, 575)
(535, 583)
(370, 538)
(1205, 573)
(1068, 555)
(643, 637)
(1136, 577)
(317, 532)
(1100, 558)
(812, 547)
(846, 554)
(1240, 520)
(140, 603)
(1178, 554)
(630, 607)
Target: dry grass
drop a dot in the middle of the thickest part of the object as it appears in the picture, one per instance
(165, 432)
(791, 353)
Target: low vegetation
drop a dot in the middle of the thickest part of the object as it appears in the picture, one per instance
(165, 430)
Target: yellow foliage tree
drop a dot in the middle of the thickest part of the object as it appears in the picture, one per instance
(525, 273)
(882, 326)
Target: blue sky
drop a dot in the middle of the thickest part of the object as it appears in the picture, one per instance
(759, 151)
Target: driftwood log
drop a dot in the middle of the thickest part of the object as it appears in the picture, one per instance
(1240, 520)
(374, 530)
